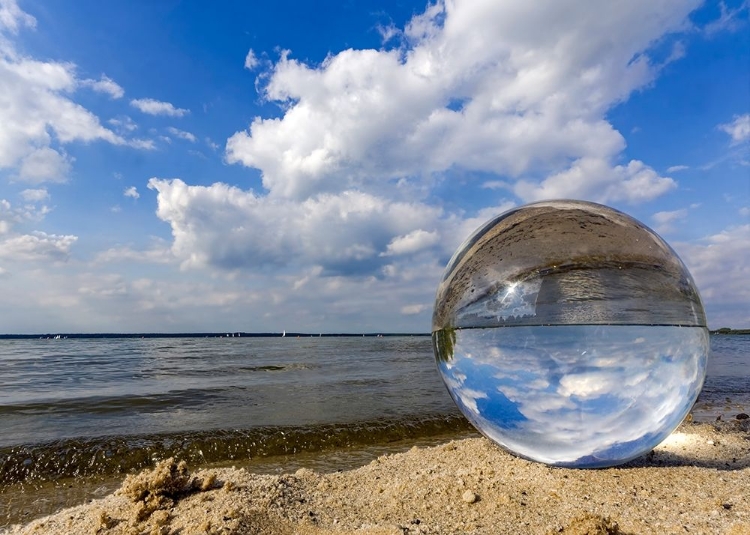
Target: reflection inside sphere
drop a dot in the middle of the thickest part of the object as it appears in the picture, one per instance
(571, 334)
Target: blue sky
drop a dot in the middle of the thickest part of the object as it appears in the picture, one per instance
(176, 166)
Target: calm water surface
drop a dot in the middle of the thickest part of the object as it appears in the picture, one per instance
(53, 389)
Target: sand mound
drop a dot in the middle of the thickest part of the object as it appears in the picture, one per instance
(589, 524)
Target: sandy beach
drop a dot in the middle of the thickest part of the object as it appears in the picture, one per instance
(697, 481)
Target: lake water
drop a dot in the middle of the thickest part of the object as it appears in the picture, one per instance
(87, 406)
(100, 407)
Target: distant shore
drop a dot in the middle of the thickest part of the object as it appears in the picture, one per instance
(696, 482)
(727, 330)
(242, 334)
(235, 334)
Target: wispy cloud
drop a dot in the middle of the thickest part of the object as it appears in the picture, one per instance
(44, 165)
(666, 221)
(157, 107)
(182, 134)
(728, 20)
(250, 60)
(409, 310)
(677, 168)
(35, 195)
(12, 17)
(387, 32)
(738, 129)
(131, 192)
(105, 85)
(123, 123)
(157, 253)
(10, 216)
(145, 144)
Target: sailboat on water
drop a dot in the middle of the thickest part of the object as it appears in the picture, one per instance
(283, 333)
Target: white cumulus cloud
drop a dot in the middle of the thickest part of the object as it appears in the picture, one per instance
(229, 228)
(410, 243)
(595, 179)
(511, 88)
(37, 246)
(511, 95)
(34, 102)
(38, 115)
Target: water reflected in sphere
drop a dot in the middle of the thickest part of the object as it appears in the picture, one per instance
(571, 334)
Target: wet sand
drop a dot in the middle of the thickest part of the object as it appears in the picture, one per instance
(697, 481)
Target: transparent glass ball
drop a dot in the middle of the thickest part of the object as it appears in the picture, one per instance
(570, 334)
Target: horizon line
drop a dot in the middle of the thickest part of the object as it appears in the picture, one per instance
(205, 334)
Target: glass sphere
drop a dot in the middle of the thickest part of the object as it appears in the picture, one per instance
(570, 334)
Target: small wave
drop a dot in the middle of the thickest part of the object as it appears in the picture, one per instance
(231, 371)
(117, 455)
(114, 404)
(273, 367)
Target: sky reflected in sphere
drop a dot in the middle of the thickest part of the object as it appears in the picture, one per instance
(571, 334)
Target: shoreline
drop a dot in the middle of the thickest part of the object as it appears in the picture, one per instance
(115, 456)
(112, 455)
(23, 501)
(696, 480)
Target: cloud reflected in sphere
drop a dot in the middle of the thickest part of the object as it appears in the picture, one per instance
(571, 334)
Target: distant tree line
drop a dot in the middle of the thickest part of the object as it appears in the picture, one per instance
(727, 330)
